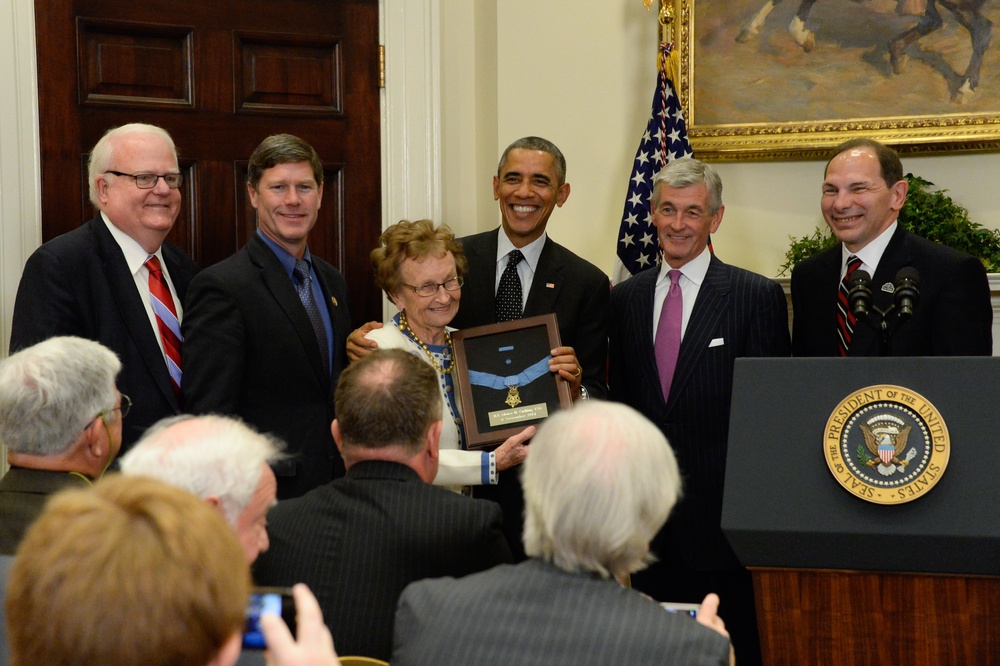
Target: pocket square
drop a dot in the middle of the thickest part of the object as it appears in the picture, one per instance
(716, 342)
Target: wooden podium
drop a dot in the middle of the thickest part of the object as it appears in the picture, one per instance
(839, 580)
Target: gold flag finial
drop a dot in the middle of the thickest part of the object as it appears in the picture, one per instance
(666, 11)
(648, 3)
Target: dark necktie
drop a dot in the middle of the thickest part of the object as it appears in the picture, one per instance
(509, 292)
(845, 318)
(668, 333)
(303, 285)
(166, 321)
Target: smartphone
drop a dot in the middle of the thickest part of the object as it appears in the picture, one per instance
(274, 600)
(681, 609)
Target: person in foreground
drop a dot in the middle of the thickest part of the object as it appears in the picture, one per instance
(421, 269)
(863, 192)
(135, 572)
(219, 459)
(598, 485)
(61, 421)
(358, 541)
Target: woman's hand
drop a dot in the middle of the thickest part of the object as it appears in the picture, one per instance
(514, 450)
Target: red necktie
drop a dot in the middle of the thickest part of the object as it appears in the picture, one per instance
(166, 321)
(845, 318)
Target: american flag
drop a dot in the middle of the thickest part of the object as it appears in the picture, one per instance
(664, 140)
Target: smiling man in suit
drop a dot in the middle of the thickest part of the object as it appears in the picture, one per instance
(863, 192)
(115, 279)
(265, 328)
(676, 332)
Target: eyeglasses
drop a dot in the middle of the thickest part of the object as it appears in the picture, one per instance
(147, 181)
(431, 288)
(124, 406)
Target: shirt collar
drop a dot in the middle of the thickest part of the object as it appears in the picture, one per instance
(532, 251)
(135, 255)
(872, 253)
(286, 258)
(694, 270)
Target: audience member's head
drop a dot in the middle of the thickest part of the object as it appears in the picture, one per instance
(388, 406)
(219, 459)
(59, 407)
(131, 571)
(599, 484)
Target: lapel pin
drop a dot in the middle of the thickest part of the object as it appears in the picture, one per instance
(888, 288)
(333, 299)
(550, 285)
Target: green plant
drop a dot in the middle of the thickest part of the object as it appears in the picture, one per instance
(927, 212)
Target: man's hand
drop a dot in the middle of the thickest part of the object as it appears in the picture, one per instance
(565, 364)
(358, 346)
(513, 451)
(708, 615)
(314, 646)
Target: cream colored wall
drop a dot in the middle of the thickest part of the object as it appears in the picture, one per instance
(582, 75)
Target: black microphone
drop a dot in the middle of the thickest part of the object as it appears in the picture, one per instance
(859, 293)
(907, 291)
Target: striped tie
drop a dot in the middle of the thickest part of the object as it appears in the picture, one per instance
(845, 318)
(166, 321)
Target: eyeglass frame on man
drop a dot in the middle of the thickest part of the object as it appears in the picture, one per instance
(124, 405)
(458, 279)
(178, 179)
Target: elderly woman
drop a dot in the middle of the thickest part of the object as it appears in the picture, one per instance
(421, 270)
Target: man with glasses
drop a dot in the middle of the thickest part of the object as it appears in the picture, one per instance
(61, 421)
(115, 279)
(265, 328)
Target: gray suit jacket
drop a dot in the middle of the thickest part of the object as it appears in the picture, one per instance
(535, 613)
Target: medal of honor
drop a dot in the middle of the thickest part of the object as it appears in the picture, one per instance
(513, 399)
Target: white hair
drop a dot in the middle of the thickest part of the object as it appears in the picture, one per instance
(51, 391)
(205, 455)
(103, 153)
(599, 483)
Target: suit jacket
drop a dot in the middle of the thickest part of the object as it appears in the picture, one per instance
(358, 541)
(737, 313)
(23, 494)
(79, 284)
(953, 317)
(574, 289)
(535, 613)
(250, 351)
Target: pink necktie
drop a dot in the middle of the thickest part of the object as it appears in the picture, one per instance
(166, 321)
(668, 333)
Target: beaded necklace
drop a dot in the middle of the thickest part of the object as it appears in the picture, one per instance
(405, 327)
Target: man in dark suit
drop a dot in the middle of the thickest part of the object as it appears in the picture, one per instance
(96, 282)
(863, 191)
(676, 332)
(599, 483)
(46, 392)
(265, 328)
(358, 541)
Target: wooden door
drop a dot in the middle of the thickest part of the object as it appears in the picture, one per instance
(219, 75)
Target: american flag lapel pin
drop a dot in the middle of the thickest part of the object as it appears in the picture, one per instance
(550, 285)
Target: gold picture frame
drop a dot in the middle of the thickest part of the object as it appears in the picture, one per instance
(768, 98)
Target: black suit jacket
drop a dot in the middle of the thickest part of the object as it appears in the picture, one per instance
(535, 613)
(23, 494)
(6, 562)
(250, 351)
(737, 314)
(358, 541)
(79, 284)
(574, 289)
(954, 316)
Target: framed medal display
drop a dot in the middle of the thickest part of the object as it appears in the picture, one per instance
(503, 378)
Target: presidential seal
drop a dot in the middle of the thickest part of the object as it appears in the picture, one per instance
(886, 444)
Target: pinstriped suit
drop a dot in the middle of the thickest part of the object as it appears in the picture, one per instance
(358, 541)
(748, 313)
(535, 613)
